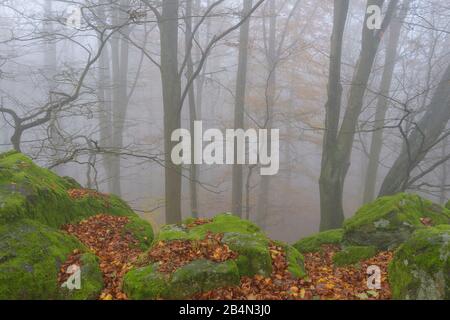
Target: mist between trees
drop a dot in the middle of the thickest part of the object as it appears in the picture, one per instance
(94, 89)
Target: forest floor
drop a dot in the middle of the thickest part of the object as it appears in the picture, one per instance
(118, 253)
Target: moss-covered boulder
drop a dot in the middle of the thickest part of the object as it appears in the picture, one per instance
(31, 255)
(296, 262)
(353, 254)
(202, 276)
(222, 223)
(389, 221)
(242, 236)
(421, 266)
(196, 277)
(34, 204)
(140, 230)
(254, 256)
(146, 283)
(313, 243)
(91, 280)
(28, 191)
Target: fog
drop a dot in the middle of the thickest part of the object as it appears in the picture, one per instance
(94, 89)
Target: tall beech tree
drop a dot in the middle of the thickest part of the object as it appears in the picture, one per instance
(174, 93)
(239, 107)
(338, 142)
(382, 102)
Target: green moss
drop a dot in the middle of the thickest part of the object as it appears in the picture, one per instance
(421, 266)
(222, 223)
(296, 262)
(202, 276)
(314, 242)
(253, 249)
(91, 280)
(389, 221)
(30, 192)
(71, 183)
(174, 232)
(447, 205)
(353, 254)
(196, 277)
(31, 255)
(146, 283)
(141, 230)
(241, 236)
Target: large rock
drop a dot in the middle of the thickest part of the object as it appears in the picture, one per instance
(202, 276)
(314, 243)
(353, 254)
(196, 277)
(254, 256)
(421, 266)
(241, 236)
(390, 221)
(31, 255)
(222, 223)
(34, 204)
(28, 191)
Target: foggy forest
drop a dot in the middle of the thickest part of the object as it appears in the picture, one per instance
(354, 96)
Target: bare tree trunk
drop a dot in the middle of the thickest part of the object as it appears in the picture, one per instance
(339, 149)
(423, 137)
(193, 176)
(263, 200)
(239, 107)
(444, 174)
(120, 52)
(330, 198)
(201, 79)
(248, 191)
(382, 104)
(50, 62)
(171, 99)
(105, 107)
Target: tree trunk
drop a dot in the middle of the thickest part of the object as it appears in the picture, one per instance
(105, 107)
(444, 174)
(193, 176)
(120, 51)
(337, 160)
(331, 198)
(171, 99)
(422, 138)
(382, 104)
(239, 107)
(263, 200)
